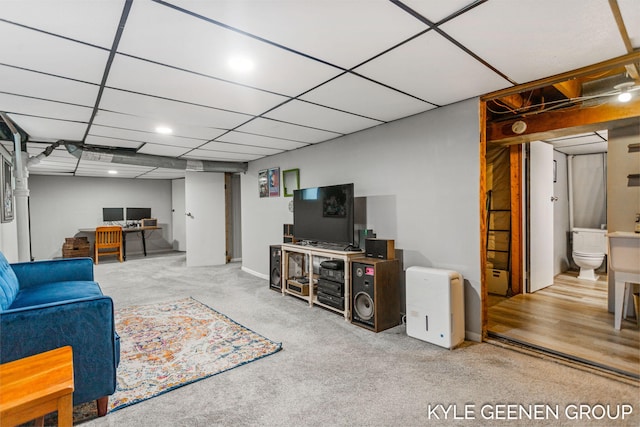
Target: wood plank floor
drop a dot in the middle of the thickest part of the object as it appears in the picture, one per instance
(569, 318)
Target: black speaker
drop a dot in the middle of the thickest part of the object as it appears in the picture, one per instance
(275, 265)
(375, 293)
(379, 248)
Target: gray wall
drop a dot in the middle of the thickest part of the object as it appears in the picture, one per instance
(61, 205)
(421, 179)
(623, 202)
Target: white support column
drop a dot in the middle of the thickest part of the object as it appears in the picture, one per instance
(21, 194)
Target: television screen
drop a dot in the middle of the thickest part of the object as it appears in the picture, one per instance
(136, 214)
(112, 214)
(324, 214)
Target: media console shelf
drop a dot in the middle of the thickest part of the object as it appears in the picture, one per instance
(304, 284)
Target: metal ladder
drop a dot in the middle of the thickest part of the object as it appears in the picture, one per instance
(491, 213)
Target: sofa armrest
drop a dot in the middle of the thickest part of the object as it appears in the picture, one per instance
(87, 325)
(55, 270)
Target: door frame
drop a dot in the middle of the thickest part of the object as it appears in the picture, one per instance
(541, 126)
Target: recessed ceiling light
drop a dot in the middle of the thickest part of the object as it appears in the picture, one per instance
(113, 172)
(241, 64)
(164, 130)
(624, 95)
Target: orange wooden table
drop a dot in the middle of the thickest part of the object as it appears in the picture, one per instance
(34, 386)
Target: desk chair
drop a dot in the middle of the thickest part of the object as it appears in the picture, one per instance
(108, 237)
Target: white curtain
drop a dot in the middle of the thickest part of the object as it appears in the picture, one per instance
(589, 174)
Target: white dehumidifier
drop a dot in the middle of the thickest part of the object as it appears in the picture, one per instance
(435, 306)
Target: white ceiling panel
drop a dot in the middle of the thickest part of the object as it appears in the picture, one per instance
(532, 39)
(361, 96)
(144, 137)
(149, 78)
(260, 141)
(434, 69)
(278, 129)
(316, 28)
(437, 10)
(98, 24)
(58, 162)
(39, 107)
(630, 10)
(53, 55)
(170, 113)
(29, 83)
(50, 129)
(175, 38)
(319, 117)
(95, 168)
(239, 149)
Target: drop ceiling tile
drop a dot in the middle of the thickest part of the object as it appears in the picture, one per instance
(582, 138)
(49, 129)
(434, 69)
(546, 43)
(153, 79)
(96, 168)
(631, 16)
(50, 54)
(278, 129)
(58, 162)
(167, 36)
(239, 149)
(260, 141)
(48, 109)
(361, 29)
(29, 83)
(316, 116)
(437, 10)
(361, 96)
(169, 113)
(140, 138)
(582, 149)
(97, 26)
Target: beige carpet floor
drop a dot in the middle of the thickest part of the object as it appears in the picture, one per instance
(332, 373)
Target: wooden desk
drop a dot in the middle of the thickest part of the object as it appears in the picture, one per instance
(37, 385)
(141, 230)
(125, 231)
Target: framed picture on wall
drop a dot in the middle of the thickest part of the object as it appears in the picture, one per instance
(263, 183)
(6, 192)
(274, 182)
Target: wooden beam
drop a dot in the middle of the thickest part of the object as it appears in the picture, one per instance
(632, 69)
(484, 294)
(569, 88)
(515, 181)
(600, 67)
(542, 126)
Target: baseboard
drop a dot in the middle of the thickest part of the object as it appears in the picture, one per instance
(255, 273)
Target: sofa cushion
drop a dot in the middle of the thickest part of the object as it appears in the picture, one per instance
(56, 292)
(9, 285)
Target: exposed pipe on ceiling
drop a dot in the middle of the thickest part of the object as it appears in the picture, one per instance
(108, 155)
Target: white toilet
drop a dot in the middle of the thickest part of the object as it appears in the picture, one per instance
(589, 248)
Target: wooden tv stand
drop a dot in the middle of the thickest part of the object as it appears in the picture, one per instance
(305, 288)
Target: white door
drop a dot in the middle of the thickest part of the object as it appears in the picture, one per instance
(179, 217)
(205, 218)
(540, 215)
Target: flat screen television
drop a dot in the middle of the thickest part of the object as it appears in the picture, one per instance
(136, 214)
(324, 214)
(112, 214)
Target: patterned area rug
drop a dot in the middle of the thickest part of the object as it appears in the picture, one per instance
(169, 345)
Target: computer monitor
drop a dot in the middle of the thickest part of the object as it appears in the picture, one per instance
(112, 214)
(136, 214)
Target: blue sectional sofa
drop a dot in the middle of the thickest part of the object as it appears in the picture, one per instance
(50, 304)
